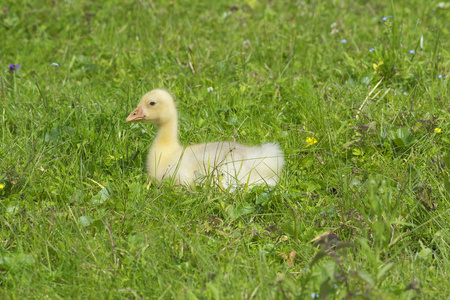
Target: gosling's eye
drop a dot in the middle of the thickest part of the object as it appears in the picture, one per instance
(152, 103)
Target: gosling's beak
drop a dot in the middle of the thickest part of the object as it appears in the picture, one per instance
(136, 115)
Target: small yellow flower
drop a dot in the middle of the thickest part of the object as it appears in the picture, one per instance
(437, 130)
(310, 141)
(1, 186)
(349, 124)
(110, 157)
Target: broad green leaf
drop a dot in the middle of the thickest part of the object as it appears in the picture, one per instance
(263, 198)
(77, 196)
(232, 121)
(137, 239)
(330, 268)
(98, 224)
(310, 186)
(102, 196)
(325, 289)
(306, 162)
(447, 162)
(56, 133)
(239, 210)
(355, 182)
(402, 137)
(12, 210)
(384, 270)
(366, 77)
(85, 221)
(364, 275)
(424, 253)
(213, 290)
(289, 228)
(446, 179)
(188, 201)
(15, 261)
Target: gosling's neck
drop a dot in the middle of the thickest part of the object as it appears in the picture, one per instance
(167, 136)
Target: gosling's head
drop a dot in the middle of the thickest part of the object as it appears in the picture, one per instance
(156, 107)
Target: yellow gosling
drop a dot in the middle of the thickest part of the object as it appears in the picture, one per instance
(230, 164)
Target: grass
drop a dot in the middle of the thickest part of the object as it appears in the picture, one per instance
(362, 213)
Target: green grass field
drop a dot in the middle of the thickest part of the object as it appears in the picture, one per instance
(356, 92)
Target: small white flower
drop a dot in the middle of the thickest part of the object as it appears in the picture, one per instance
(246, 44)
(210, 89)
(55, 65)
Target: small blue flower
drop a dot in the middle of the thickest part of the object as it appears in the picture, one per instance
(13, 67)
(412, 51)
(439, 76)
(423, 267)
(389, 16)
(372, 49)
(343, 41)
(313, 295)
(270, 76)
(335, 286)
(55, 65)
(384, 18)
